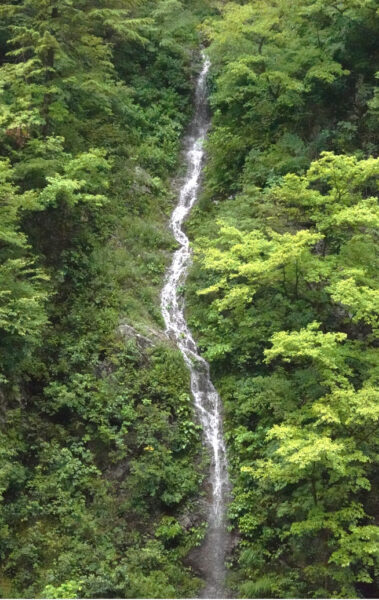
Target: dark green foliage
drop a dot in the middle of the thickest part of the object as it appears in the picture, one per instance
(103, 457)
(98, 443)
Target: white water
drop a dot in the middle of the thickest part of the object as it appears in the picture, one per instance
(206, 399)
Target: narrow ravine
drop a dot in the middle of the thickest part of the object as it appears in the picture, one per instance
(207, 402)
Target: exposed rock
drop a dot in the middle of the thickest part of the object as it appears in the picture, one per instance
(128, 332)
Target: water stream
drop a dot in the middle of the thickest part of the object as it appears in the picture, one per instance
(206, 399)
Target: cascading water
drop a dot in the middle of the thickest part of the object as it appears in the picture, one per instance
(207, 403)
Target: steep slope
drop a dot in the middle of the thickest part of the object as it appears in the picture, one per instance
(101, 458)
(283, 299)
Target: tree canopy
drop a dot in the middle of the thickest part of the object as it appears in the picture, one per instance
(284, 294)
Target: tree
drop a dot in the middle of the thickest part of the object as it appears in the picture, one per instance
(293, 295)
(60, 66)
(22, 284)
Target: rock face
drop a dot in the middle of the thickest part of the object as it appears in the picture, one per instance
(154, 337)
(128, 332)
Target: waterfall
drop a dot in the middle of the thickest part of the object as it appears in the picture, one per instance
(206, 399)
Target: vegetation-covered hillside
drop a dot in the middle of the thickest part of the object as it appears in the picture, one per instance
(101, 461)
(284, 295)
(99, 450)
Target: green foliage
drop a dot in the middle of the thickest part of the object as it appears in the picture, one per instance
(69, 589)
(100, 456)
(309, 386)
(284, 291)
(22, 293)
(282, 73)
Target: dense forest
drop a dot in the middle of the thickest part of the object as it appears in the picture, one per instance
(100, 453)
(103, 470)
(284, 295)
